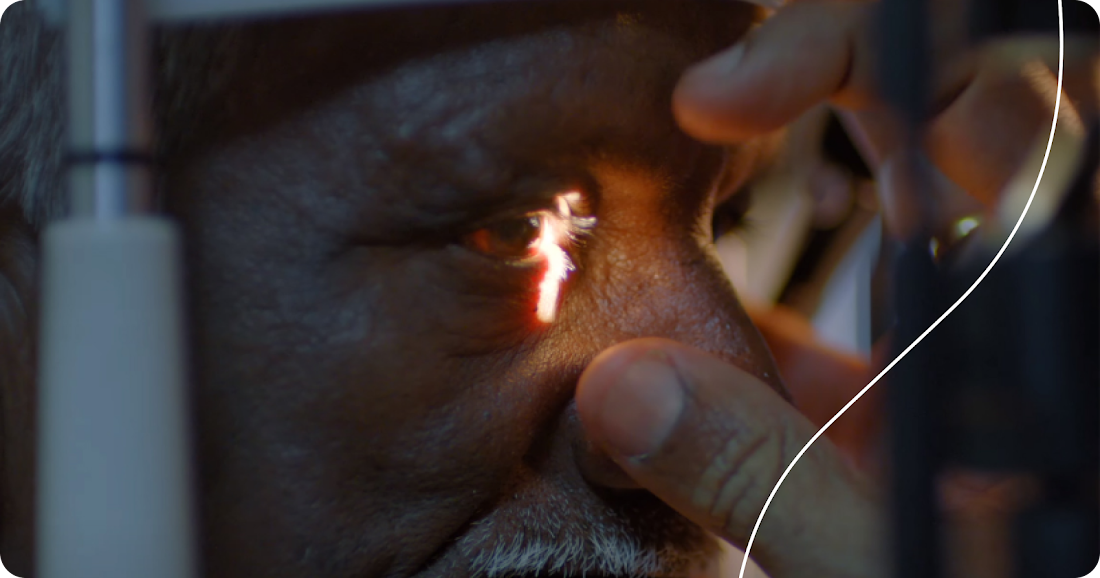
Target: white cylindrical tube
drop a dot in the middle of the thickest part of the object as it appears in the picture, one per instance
(115, 497)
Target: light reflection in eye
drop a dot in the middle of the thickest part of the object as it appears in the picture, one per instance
(558, 229)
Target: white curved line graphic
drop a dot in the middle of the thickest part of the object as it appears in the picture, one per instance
(950, 310)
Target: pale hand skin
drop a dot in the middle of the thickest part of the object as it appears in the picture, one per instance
(712, 440)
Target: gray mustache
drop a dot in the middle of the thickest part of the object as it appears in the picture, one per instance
(538, 541)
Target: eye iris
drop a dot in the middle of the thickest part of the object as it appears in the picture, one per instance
(511, 239)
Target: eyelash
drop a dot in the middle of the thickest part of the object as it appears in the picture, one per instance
(548, 236)
(574, 228)
(578, 229)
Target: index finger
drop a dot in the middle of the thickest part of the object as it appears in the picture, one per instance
(808, 52)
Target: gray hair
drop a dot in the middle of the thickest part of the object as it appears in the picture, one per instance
(31, 109)
(635, 538)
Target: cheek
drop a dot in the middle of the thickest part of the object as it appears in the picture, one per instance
(349, 407)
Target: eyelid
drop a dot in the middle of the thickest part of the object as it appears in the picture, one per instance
(581, 218)
(568, 210)
(497, 215)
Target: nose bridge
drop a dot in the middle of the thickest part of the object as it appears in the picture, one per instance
(672, 286)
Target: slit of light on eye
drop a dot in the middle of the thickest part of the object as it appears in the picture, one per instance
(555, 232)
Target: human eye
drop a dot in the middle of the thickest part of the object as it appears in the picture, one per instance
(545, 236)
(513, 240)
(533, 236)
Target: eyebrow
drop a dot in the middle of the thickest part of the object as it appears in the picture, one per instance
(431, 186)
(445, 195)
(437, 160)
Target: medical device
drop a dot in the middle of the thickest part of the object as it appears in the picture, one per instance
(116, 496)
(1010, 383)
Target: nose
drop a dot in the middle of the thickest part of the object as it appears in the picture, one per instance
(649, 272)
(594, 465)
(680, 297)
(674, 289)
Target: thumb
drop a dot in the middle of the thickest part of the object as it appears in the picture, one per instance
(712, 441)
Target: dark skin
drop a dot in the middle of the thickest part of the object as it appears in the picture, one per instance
(374, 393)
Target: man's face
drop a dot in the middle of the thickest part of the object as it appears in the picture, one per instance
(377, 394)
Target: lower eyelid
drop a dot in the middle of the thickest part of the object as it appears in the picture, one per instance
(490, 282)
(470, 261)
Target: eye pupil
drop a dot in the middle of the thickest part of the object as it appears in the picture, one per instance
(510, 239)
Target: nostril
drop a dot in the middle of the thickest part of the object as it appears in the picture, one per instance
(598, 469)
(595, 466)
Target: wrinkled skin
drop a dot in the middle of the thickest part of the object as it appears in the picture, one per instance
(373, 397)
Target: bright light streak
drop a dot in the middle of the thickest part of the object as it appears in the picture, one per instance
(557, 269)
(556, 230)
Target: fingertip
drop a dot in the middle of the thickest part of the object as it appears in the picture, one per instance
(800, 57)
(716, 76)
(607, 367)
(712, 109)
(631, 401)
(606, 371)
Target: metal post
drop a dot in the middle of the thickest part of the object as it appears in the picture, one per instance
(115, 490)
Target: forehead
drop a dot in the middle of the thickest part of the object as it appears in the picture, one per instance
(268, 70)
(445, 112)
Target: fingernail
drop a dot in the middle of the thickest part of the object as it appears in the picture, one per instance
(641, 409)
(715, 72)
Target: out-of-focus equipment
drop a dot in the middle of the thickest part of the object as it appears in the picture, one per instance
(1010, 383)
(114, 496)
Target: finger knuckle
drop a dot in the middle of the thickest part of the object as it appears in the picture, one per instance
(739, 479)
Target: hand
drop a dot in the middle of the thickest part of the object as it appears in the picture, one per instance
(991, 105)
(712, 441)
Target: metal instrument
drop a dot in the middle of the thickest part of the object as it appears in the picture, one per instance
(1010, 382)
